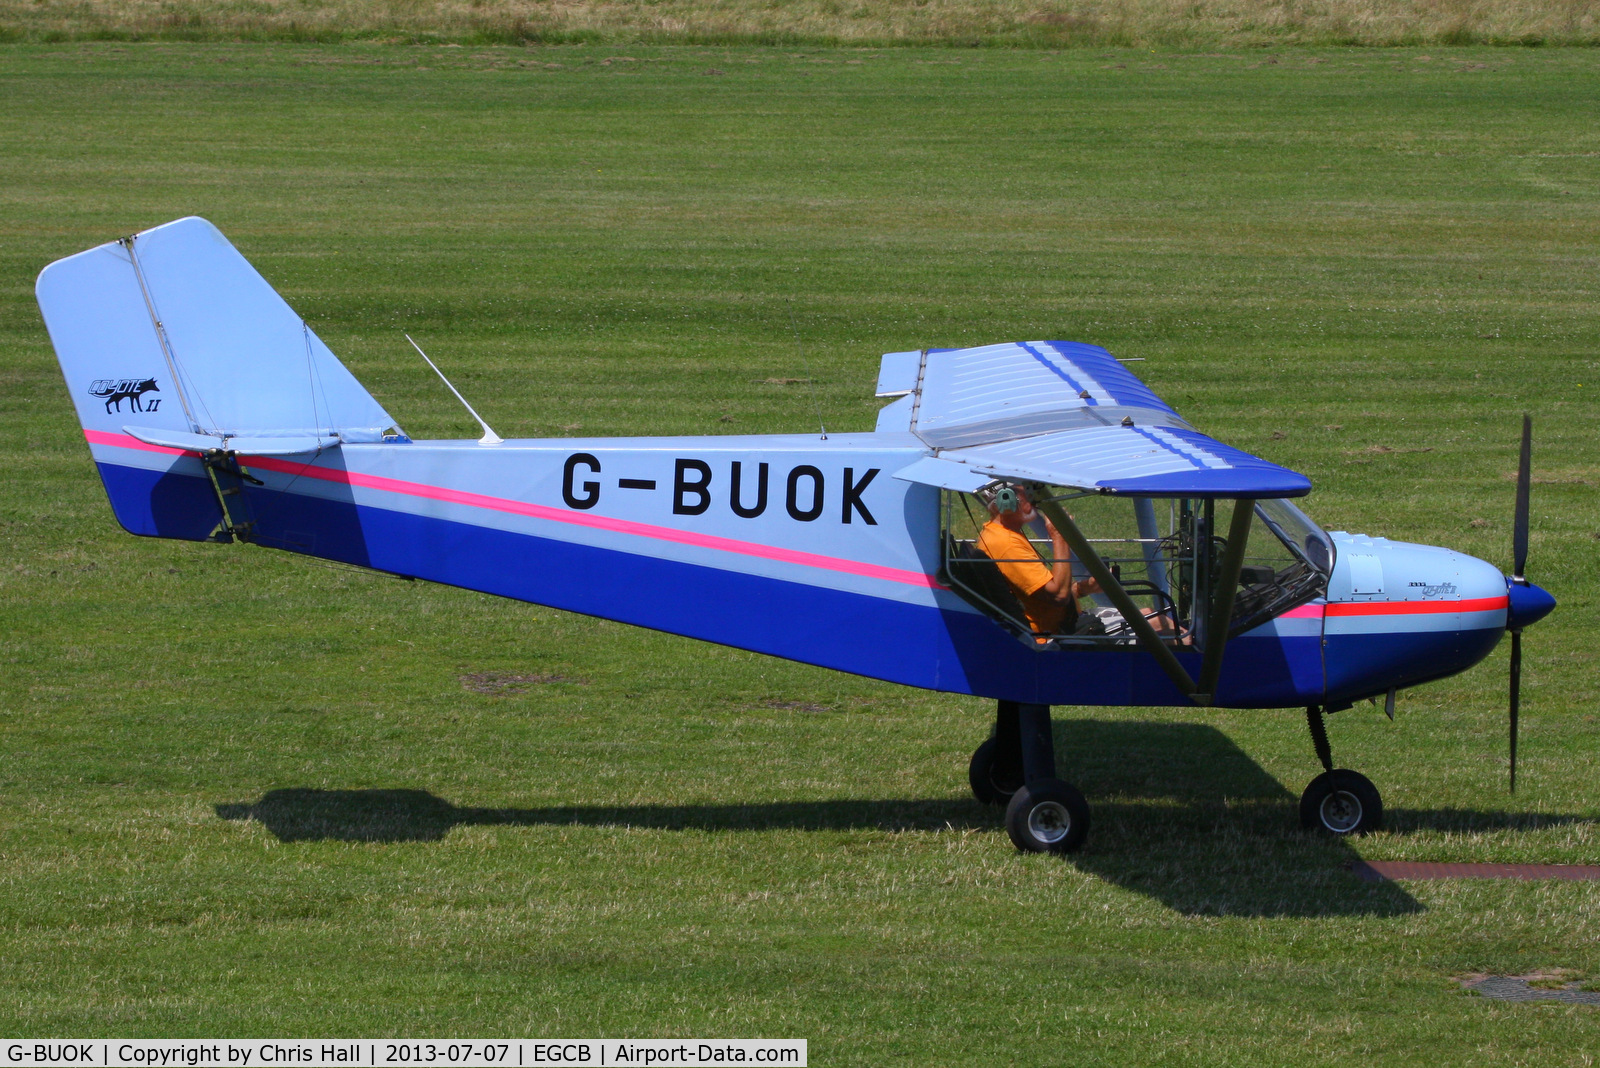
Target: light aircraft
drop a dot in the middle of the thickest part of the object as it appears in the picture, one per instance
(214, 413)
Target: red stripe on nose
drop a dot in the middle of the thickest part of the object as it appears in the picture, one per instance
(1409, 608)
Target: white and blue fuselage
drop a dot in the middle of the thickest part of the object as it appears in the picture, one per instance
(792, 546)
(822, 550)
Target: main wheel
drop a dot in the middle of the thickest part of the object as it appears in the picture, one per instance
(1341, 802)
(1047, 816)
(993, 780)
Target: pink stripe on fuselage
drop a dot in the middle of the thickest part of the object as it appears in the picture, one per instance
(127, 441)
(540, 511)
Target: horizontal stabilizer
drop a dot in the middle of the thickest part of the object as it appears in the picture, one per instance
(248, 446)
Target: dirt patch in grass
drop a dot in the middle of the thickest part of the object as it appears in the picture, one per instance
(795, 706)
(1385, 449)
(1564, 985)
(497, 683)
(1571, 477)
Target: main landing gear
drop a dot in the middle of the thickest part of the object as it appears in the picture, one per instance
(1016, 768)
(1339, 801)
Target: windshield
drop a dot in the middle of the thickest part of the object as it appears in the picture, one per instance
(1297, 530)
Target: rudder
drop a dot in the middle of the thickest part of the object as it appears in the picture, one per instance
(173, 346)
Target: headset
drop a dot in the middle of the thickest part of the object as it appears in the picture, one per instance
(1001, 496)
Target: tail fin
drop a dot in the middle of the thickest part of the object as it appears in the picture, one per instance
(173, 346)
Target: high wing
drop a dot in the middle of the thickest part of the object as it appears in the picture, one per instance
(1063, 413)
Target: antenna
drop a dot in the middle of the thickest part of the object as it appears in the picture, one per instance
(489, 436)
(811, 385)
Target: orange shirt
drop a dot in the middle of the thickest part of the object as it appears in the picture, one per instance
(1026, 573)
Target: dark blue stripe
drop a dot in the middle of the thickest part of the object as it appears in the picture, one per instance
(1113, 377)
(1076, 388)
(1145, 433)
(918, 645)
(1245, 476)
(161, 504)
(1208, 483)
(1363, 665)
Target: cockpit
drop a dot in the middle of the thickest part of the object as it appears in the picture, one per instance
(1169, 556)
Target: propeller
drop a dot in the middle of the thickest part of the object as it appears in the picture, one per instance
(1519, 561)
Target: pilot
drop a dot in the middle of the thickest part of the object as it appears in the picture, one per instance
(1048, 593)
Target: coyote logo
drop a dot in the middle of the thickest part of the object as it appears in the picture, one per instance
(117, 390)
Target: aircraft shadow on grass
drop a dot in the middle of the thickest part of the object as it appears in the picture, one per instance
(1181, 814)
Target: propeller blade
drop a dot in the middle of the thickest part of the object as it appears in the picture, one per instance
(1519, 537)
(1519, 561)
(1516, 693)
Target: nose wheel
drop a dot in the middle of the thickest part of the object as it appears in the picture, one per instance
(1339, 802)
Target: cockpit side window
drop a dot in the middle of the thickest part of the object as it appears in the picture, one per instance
(1126, 534)
(1166, 553)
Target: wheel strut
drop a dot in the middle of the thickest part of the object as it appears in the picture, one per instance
(1038, 743)
(1008, 740)
(1339, 802)
(1045, 815)
(1319, 736)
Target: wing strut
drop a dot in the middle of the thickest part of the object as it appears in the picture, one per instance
(1132, 614)
(1216, 636)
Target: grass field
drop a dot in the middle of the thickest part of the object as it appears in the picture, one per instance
(246, 795)
(1180, 24)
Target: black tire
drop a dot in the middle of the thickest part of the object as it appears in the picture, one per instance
(992, 781)
(1048, 816)
(1341, 803)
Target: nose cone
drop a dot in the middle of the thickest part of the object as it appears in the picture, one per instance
(1529, 604)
